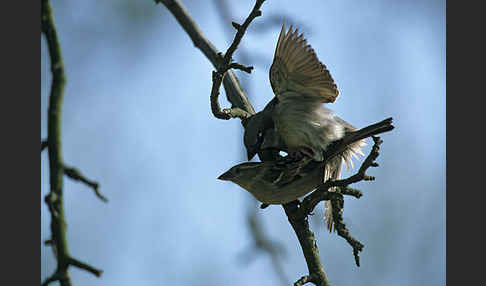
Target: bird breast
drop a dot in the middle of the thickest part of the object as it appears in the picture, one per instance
(304, 122)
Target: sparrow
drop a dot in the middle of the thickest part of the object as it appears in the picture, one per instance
(268, 181)
(302, 85)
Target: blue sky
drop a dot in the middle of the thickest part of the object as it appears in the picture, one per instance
(136, 118)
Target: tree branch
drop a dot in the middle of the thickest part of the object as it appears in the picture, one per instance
(304, 280)
(310, 201)
(44, 144)
(55, 277)
(234, 93)
(76, 175)
(226, 63)
(308, 244)
(322, 193)
(85, 266)
(54, 199)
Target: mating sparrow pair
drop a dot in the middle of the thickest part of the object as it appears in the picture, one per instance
(303, 127)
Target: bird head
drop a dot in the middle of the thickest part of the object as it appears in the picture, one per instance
(253, 136)
(256, 127)
(242, 174)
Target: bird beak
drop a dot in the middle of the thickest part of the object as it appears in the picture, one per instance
(227, 176)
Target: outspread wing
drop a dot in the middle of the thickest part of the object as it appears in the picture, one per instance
(296, 68)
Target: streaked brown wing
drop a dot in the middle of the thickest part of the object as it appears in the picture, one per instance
(296, 68)
(282, 173)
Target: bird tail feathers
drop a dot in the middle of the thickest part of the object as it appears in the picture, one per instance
(333, 170)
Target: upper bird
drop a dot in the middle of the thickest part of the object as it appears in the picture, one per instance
(302, 84)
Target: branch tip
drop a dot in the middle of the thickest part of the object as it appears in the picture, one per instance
(236, 26)
(304, 280)
(226, 63)
(44, 144)
(76, 175)
(238, 66)
(77, 263)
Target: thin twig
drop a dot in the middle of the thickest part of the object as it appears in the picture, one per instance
(309, 202)
(85, 266)
(54, 199)
(76, 175)
(234, 92)
(225, 63)
(255, 12)
(60, 276)
(44, 144)
(304, 280)
(56, 276)
(350, 192)
(337, 210)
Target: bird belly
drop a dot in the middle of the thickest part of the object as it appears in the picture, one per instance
(310, 126)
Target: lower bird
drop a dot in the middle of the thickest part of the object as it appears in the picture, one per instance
(277, 182)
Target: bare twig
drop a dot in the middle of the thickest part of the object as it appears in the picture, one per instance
(44, 144)
(308, 244)
(54, 199)
(240, 67)
(64, 277)
(241, 29)
(304, 280)
(55, 277)
(76, 175)
(309, 202)
(234, 93)
(85, 266)
(298, 212)
(350, 192)
(337, 202)
(226, 63)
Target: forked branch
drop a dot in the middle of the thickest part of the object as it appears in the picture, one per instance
(234, 93)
